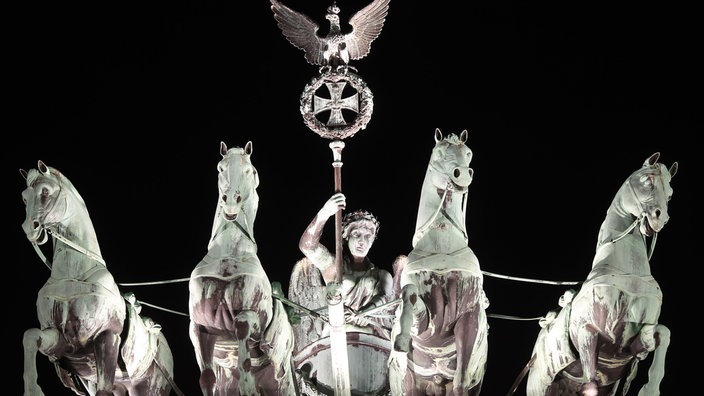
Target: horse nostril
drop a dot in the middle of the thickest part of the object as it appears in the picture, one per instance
(658, 212)
(35, 224)
(457, 172)
(239, 198)
(224, 198)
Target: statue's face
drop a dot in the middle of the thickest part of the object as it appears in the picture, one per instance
(360, 239)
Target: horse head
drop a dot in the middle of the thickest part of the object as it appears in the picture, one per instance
(46, 201)
(650, 194)
(448, 173)
(449, 162)
(237, 183)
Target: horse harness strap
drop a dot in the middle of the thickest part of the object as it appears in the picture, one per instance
(642, 211)
(70, 243)
(41, 254)
(439, 210)
(229, 224)
(168, 377)
(629, 229)
(454, 223)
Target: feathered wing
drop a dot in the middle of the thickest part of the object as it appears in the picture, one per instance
(366, 27)
(307, 288)
(301, 31)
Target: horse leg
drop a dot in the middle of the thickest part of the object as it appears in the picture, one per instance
(246, 323)
(203, 344)
(107, 346)
(409, 299)
(466, 331)
(34, 340)
(585, 338)
(412, 315)
(655, 338)
(121, 390)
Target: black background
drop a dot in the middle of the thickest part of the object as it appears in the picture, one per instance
(562, 103)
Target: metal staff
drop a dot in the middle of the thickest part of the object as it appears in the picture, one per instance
(335, 297)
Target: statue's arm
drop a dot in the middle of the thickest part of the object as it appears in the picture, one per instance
(310, 245)
(384, 289)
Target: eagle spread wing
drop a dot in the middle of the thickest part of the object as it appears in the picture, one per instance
(366, 26)
(302, 31)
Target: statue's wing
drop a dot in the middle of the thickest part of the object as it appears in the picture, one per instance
(366, 27)
(301, 31)
(307, 288)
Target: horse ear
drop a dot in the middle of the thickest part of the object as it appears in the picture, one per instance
(42, 167)
(463, 136)
(23, 173)
(438, 135)
(652, 159)
(223, 149)
(673, 169)
(248, 148)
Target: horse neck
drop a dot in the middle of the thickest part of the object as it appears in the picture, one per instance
(440, 223)
(76, 241)
(232, 238)
(626, 253)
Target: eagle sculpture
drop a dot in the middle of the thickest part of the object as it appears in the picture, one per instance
(336, 48)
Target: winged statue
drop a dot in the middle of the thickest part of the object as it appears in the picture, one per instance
(335, 48)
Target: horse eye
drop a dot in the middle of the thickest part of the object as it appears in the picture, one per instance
(645, 180)
(44, 195)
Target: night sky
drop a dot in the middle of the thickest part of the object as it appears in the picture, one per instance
(561, 103)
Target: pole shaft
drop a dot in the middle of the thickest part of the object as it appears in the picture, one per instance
(336, 146)
(336, 310)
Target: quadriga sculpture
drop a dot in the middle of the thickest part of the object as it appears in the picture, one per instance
(242, 338)
(440, 335)
(97, 341)
(593, 345)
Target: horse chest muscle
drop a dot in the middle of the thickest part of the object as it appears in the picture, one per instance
(442, 237)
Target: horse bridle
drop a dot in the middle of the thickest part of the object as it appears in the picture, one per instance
(75, 246)
(51, 231)
(637, 220)
(422, 229)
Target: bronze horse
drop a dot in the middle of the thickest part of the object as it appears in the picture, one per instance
(440, 335)
(97, 341)
(592, 346)
(242, 337)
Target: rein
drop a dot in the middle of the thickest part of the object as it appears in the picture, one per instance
(642, 214)
(217, 233)
(169, 378)
(224, 225)
(68, 242)
(99, 259)
(96, 257)
(630, 228)
(424, 228)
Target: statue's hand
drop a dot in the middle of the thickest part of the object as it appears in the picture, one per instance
(336, 202)
(333, 292)
(352, 317)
